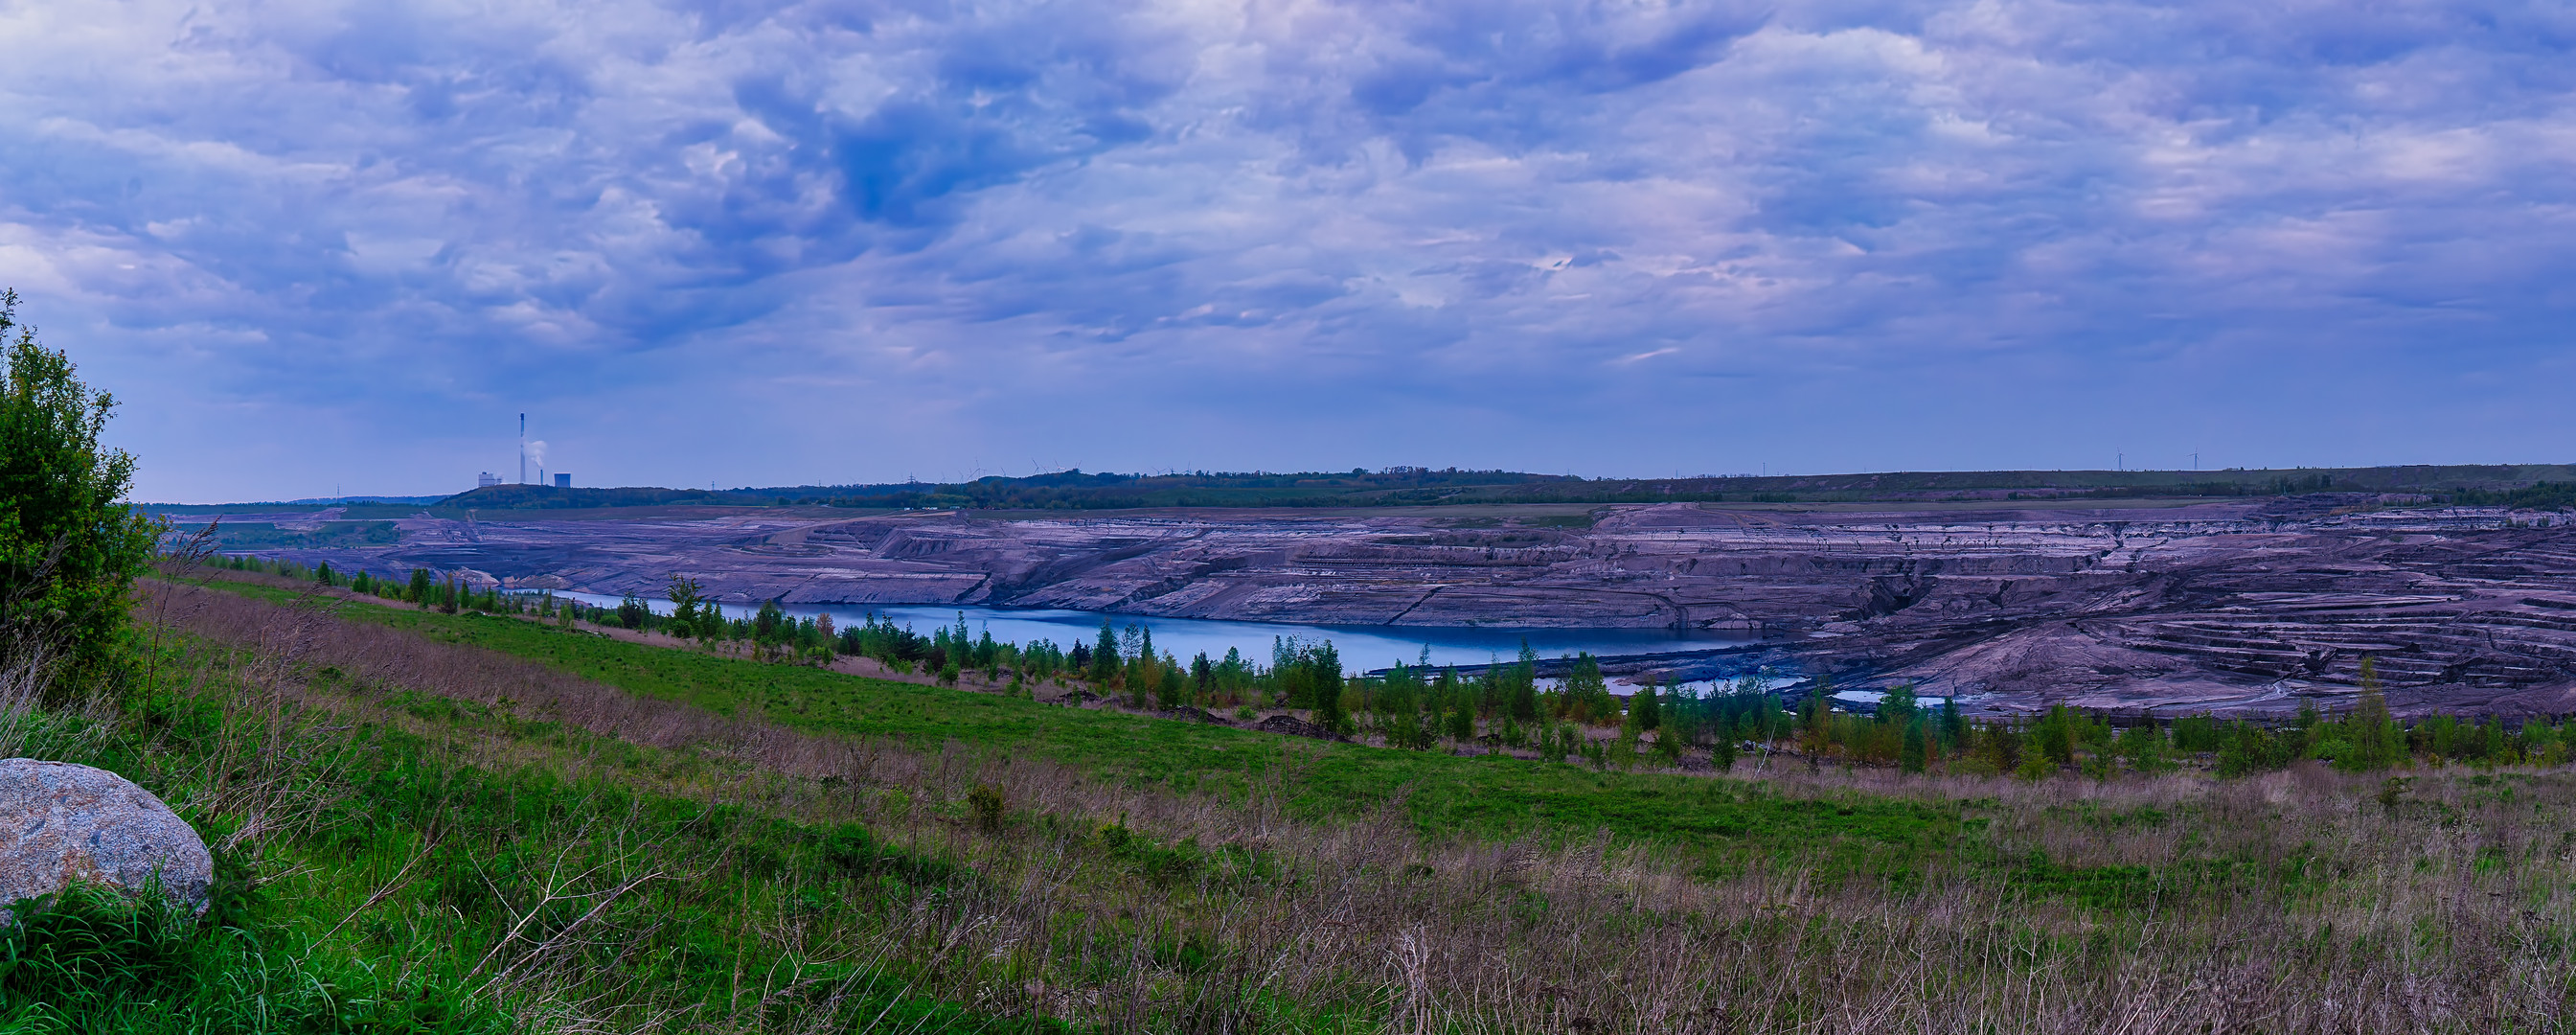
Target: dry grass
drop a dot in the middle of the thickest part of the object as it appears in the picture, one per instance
(2448, 911)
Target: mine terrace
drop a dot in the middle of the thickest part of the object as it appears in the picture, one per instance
(2232, 606)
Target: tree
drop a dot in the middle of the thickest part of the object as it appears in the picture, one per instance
(2053, 738)
(1645, 709)
(1896, 706)
(631, 612)
(1912, 757)
(1524, 700)
(1819, 715)
(69, 552)
(420, 587)
(2374, 739)
(1401, 705)
(686, 600)
(1462, 719)
(1328, 689)
(1104, 655)
(1173, 689)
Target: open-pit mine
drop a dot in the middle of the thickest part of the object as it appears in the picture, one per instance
(2180, 606)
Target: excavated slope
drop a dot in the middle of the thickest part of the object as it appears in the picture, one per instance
(2232, 606)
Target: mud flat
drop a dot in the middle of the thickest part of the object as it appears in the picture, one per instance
(2249, 605)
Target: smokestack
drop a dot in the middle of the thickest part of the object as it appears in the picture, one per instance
(523, 449)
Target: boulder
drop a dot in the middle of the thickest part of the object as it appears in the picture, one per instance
(61, 823)
(1297, 727)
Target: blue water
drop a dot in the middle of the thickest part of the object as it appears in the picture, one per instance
(1363, 647)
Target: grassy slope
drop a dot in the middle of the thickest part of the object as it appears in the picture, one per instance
(786, 899)
(406, 885)
(1719, 822)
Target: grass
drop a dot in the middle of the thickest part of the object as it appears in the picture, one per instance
(1720, 824)
(465, 824)
(463, 875)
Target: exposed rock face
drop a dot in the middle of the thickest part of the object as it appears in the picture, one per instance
(2234, 605)
(61, 822)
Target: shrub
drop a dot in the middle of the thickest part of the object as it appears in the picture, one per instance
(69, 552)
(2036, 766)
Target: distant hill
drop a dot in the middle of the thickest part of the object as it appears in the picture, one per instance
(547, 497)
(2544, 485)
(312, 503)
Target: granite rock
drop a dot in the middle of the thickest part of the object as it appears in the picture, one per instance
(61, 822)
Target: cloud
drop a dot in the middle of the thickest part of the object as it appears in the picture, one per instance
(802, 242)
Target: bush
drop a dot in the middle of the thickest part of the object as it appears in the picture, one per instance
(2036, 766)
(69, 551)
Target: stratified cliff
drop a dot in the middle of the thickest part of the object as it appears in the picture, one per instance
(2246, 604)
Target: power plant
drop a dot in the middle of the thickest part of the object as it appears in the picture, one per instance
(487, 479)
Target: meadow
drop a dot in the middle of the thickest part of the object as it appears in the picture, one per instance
(462, 822)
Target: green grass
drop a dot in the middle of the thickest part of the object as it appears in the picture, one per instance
(389, 898)
(944, 889)
(1720, 823)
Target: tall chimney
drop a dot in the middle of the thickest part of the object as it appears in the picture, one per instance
(523, 449)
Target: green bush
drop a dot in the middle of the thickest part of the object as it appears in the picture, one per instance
(69, 551)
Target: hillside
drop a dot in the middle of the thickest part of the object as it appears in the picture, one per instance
(2239, 603)
(480, 823)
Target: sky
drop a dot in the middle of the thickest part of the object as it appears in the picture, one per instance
(322, 248)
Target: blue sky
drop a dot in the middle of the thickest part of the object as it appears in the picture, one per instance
(339, 247)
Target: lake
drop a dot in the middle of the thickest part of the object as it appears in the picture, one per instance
(1363, 647)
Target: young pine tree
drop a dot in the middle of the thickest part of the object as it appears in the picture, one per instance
(1329, 713)
(1172, 690)
(2054, 736)
(1524, 701)
(1104, 654)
